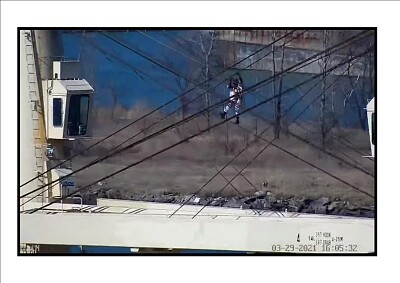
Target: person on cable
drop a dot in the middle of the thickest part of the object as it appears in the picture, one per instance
(235, 87)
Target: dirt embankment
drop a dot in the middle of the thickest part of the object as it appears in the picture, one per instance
(285, 183)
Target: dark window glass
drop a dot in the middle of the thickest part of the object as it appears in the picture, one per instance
(78, 113)
(373, 129)
(57, 112)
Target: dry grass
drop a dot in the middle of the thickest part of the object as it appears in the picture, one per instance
(185, 168)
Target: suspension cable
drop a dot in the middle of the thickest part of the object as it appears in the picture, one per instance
(257, 85)
(153, 111)
(190, 137)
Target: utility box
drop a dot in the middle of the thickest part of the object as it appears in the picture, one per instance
(67, 105)
(64, 187)
(65, 70)
(372, 125)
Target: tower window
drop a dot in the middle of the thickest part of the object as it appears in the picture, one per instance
(78, 113)
(373, 129)
(57, 112)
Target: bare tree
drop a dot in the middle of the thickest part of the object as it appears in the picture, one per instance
(362, 98)
(277, 100)
(200, 48)
(322, 117)
(349, 96)
(276, 131)
(371, 73)
(114, 100)
(206, 41)
(358, 98)
(328, 113)
(183, 85)
(204, 60)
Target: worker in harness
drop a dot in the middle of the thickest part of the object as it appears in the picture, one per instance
(235, 87)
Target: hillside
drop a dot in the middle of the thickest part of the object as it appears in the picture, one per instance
(179, 172)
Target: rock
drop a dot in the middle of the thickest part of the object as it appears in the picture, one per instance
(266, 204)
(367, 213)
(334, 206)
(306, 201)
(249, 200)
(260, 194)
(203, 201)
(186, 199)
(351, 213)
(295, 208)
(118, 194)
(276, 205)
(320, 202)
(218, 202)
(293, 202)
(294, 205)
(319, 206)
(258, 204)
(245, 206)
(168, 199)
(234, 203)
(308, 209)
(350, 207)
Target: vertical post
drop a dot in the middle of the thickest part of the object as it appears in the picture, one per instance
(62, 203)
(255, 118)
(360, 108)
(207, 55)
(43, 190)
(234, 47)
(277, 100)
(227, 138)
(280, 92)
(114, 99)
(371, 73)
(276, 132)
(183, 105)
(207, 94)
(323, 96)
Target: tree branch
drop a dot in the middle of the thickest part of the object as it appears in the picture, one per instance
(212, 43)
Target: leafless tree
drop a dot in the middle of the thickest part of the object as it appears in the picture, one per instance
(371, 73)
(323, 67)
(114, 100)
(200, 47)
(202, 61)
(328, 113)
(273, 85)
(349, 96)
(206, 41)
(277, 100)
(183, 86)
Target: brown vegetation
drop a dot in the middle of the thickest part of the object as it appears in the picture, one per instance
(185, 168)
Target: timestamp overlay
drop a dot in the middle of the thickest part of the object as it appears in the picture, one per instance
(322, 235)
(320, 242)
